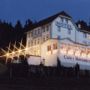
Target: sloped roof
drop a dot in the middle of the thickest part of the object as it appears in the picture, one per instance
(50, 19)
(83, 26)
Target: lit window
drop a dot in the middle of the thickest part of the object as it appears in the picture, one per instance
(37, 41)
(47, 37)
(54, 46)
(43, 39)
(49, 48)
(59, 28)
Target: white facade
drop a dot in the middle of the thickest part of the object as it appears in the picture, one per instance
(47, 40)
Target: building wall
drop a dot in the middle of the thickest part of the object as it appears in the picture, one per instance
(83, 38)
(63, 28)
(36, 37)
(32, 60)
(49, 52)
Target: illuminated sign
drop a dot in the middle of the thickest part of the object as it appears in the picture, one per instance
(72, 52)
(75, 58)
(63, 25)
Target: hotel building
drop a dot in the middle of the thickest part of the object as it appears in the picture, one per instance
(58, 37)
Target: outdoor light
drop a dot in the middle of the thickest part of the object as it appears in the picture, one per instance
(26, 49)
(19, 50)
(13, 52)
(7, 54)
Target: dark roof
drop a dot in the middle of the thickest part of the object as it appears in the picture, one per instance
(50, 19)
(84, 27)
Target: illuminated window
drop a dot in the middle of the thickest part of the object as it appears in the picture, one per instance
(38, 41)
(49, 48)
(47, 37)
(43, 39)
(31, 43)
(54, 46)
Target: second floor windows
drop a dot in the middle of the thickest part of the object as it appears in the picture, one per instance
(84, 35)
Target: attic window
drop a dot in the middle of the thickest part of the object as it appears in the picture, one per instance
(79, 26)
(62, 19)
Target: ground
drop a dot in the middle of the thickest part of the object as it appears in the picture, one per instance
(42, 83)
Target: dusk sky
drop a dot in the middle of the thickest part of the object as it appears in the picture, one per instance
(13, 10)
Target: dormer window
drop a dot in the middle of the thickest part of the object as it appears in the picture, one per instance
(79, 26)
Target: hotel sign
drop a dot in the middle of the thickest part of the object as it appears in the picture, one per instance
(75, 58)
(75, 53)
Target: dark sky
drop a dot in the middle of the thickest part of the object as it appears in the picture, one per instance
(12, 10)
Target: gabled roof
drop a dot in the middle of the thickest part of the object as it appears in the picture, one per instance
(50, 19)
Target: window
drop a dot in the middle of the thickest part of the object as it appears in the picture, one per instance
(85, 42)
(47, 37)
(38, 41)
(54, 46)
(43, 28)
(62, 19)
(31, 43)
(38, 31)
(47, 28)
(69, 31)
(59, 37)
(84, 35)
(67, 21)
(43, 39)
(35, 32)
(59, 28)
(49, 48)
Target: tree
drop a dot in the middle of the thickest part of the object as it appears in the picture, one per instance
(28, 25)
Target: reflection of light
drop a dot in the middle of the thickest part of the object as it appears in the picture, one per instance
(83, 55)
(88, 56)
(19, 51)
(70, 52)
(77, 53)
(26, 49)
(13, 52)
(7, 54)
(63, 51)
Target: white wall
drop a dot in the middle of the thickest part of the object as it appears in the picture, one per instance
(34, 60)
(49, 56)
(64, 31)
